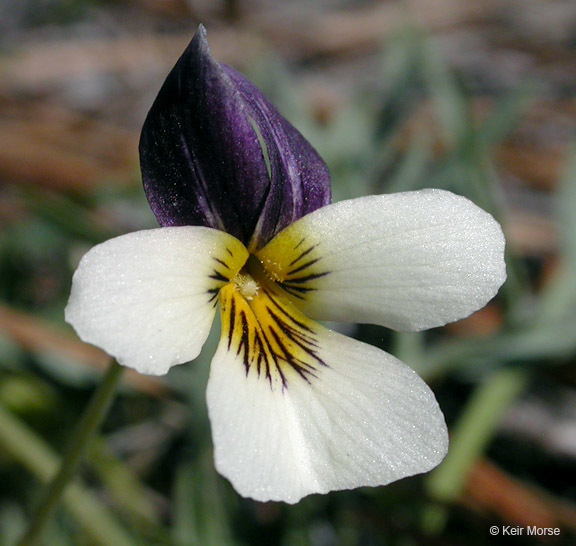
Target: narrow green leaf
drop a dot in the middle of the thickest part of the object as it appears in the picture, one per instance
(35, 455)
(410, 174)
(566, 198)
(200, 513)
(558, 299)
(451, 105)
(505, 114)
(474, 431)
(131, 496)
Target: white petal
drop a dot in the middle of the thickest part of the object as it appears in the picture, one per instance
(148, 298)
(357, 416)
(409, 261)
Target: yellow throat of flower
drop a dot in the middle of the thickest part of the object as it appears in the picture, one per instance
(273, 338)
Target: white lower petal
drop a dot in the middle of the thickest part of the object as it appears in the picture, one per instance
(409, 261)
(357, 417)
(148, 298)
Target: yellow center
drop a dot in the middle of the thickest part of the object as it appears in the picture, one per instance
(265, 330)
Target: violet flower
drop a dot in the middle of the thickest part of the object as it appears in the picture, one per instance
(247, 228)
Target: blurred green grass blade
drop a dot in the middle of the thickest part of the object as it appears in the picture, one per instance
(474, 431)
(12, 522)
(566, 197)
(401, 90)
(505, 114)
(130, 496)
(450, 103)
(36, 456)
(12, 355)
(296, 536)
(56, 534)
(64, 368)
(402, 56)
(409, 347)
(490, 196)
(185, 514)
(558, 299)
(469, 170)
(200, 511)
(531, 344)
(400, 79)
(68, 216)
(346, 147)
(27, 395)
(549, 341)
(271, 75)
(411, 172)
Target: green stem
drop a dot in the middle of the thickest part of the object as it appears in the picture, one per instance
(84, 431)
(24, 445)
(471, 436)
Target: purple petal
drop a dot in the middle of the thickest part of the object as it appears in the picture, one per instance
(202, 162)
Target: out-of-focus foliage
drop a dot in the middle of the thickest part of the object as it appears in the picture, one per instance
(499, 375)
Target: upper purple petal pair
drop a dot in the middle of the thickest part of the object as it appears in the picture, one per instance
(202, 161)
